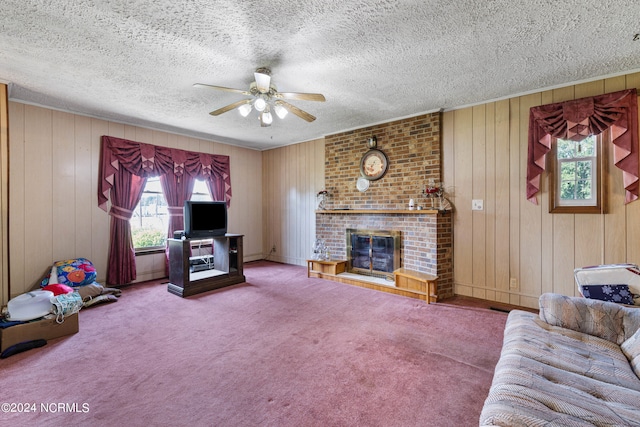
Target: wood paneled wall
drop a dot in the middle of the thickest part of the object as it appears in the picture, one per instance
(4, 194)
(292, 176)
(512, 240)
(53, 191)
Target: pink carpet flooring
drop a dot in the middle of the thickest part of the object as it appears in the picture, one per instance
(279, 350)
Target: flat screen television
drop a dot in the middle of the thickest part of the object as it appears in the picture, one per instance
(205, 219)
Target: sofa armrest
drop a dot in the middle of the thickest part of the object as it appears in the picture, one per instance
(608, 320)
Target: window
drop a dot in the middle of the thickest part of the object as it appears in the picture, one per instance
(575, 182)
(150, 220)
(149, 223)
(201, 192)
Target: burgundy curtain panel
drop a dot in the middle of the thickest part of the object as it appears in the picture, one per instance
(578, 119)
(125, 195)
(125, 165)
(216, 189)
(176, 189)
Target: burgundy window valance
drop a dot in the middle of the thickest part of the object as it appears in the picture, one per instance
(578, 119)
(146, 160)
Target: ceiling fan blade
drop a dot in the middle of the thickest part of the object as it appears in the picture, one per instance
(230, 107)
(263, 79)
(300, 96)
(227, 89)
(295, 110)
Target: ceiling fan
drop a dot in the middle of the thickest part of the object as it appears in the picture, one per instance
(265, 99)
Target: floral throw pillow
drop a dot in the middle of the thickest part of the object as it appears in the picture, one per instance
(614, 293)
(72, 272)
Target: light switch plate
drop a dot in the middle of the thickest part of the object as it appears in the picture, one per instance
(477, 205)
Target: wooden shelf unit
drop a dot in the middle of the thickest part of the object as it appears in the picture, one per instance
(227, 263)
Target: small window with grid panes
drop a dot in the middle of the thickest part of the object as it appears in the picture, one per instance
(575, 176)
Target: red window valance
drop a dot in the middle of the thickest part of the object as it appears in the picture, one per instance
(577, 119)
(146, 160)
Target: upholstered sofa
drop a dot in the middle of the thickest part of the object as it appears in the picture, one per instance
(575, 363)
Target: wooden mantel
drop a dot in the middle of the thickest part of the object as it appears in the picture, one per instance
(379, 211)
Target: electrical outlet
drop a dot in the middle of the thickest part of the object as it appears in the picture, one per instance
(513, 283)
(273, 249)
(477, 205)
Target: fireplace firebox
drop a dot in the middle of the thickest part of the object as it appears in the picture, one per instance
(373, 252)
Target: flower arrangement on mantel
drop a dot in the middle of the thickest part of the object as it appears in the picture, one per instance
(436, 190)
(321, 199)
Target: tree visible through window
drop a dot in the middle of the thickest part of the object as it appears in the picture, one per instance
(150, 220)
(577, 164)
(575, 176)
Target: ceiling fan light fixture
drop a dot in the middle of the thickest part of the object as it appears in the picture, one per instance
(280, 111)
(245, 110)
(263, 79)
(260, 104)
(267, 118)
(266, 100)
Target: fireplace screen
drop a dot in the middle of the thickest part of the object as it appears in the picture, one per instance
(373, 252)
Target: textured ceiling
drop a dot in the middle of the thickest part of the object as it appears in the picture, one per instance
(135, 61)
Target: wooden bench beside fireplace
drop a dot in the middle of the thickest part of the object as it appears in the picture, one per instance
(423, 284)
(320, 267)
(408, 283)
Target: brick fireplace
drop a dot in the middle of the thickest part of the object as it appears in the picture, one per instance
(426, 244)
(412, 146)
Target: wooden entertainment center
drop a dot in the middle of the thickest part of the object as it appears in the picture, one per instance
(227, 268)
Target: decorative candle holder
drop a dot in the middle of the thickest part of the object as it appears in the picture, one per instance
(321, 199)
(433, 190)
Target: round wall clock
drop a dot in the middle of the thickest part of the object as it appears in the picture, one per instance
(374, 164)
